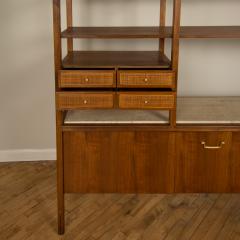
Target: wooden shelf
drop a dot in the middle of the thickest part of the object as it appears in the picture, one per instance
(117, 32)
(119, 59)
(210, 32)
(152, 32)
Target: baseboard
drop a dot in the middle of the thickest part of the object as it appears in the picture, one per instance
(19, 155)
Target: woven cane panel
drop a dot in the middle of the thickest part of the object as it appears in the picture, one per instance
(86, 79)
(80, 100)
(147, 100)
(149, 79)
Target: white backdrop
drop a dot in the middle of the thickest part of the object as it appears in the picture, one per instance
(207, 67)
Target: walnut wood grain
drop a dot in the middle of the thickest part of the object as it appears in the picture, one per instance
(152, 32)
(162, 23)
(84, 100)
(108, 59)
(118, 161)
(146, 79)
(59, 114)
(146, 100)
(203, 170)
(87, 79)
(69, 13)
(235, 163)
(175, 52)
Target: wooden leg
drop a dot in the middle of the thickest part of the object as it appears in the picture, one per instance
(60, 182)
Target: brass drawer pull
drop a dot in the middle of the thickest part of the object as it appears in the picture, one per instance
(212, 147)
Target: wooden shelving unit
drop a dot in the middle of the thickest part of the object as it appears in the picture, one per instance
(122, 129)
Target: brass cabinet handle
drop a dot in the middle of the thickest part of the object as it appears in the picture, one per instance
(212, 147)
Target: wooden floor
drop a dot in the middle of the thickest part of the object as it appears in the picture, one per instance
(28, 211)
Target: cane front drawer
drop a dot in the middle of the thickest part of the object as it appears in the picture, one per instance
(146, 100)
(87, 79)
(84, 100)
(146, 79)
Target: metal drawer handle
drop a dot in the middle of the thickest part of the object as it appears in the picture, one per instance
(213, 147)
(86, 80)
(146, 80)
(85, 101)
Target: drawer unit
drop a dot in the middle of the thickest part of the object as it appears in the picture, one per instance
(146, 100)
(84, 100)
(146, 79)
(87, 79)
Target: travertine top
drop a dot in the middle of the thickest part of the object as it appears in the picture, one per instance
(190, 110)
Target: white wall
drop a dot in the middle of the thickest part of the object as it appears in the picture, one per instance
(207, 67)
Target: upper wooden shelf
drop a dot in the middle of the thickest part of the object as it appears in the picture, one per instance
(152, 32)
(119, 59)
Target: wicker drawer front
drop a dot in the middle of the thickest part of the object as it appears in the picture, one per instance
(146, 100)
(84, 100)
(87, 79)
(146, 79)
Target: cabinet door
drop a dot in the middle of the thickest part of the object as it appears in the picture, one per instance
(118, 161)
(154, 154)
(203, 162)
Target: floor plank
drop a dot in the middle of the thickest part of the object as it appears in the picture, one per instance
(28, 211)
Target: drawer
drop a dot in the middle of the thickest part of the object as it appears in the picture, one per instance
(146, 100)
(84, 100)
(146, 79)
(87, 79)
(203, 162)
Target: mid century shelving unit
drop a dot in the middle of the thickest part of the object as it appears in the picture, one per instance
(120, 126)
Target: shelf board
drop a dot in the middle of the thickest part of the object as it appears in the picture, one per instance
(117, 32)
(190, 110)
(119, 59)
(210, 32)
(152, 32)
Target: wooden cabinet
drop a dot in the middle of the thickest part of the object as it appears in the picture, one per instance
(118, 161)
(203, 162)
(130, 158)
(148, 161)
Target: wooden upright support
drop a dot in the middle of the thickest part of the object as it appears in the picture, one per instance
(59, 114)
(175, 50)
(69, 23)
(162, 24)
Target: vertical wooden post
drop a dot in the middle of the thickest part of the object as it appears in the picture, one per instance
(69, 23)
(162, 24)
(59, 114)
(175, 50)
